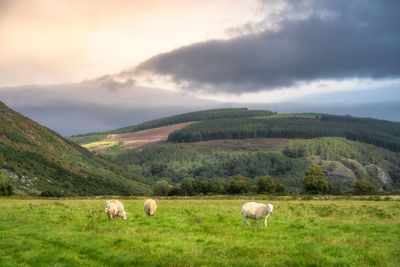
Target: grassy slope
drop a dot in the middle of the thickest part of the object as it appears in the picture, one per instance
(283, 159)
(218, 160)
(186, 117)
(44, 161)
(199, 232)
(385, 134)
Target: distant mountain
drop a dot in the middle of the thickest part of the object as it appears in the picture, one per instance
(221, 143)
(39, 160)
(105, 104)
(97, 105)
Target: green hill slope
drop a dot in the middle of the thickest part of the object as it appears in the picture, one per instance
(342, 160)
(38, 159)
(385, 134)
(186, 117)
(228, 142)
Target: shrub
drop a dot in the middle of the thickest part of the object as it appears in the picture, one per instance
(51, 193)
(314, 181)
(267, 184)
(363, 187)
(239, 185)
(6, 188)
(161, 188)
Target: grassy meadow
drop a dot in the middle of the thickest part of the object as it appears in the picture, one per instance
(193, 232)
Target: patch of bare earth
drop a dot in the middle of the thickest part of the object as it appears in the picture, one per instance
(140, 139)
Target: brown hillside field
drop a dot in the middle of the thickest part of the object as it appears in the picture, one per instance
(140, 139)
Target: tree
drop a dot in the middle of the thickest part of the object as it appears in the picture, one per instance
(267, 184)
(218, 186)
(187, 187)
(175, 190)
(6, 188)
(161, 188)
(201, 186)
(314, 181)
(239, 185)
(363, 187)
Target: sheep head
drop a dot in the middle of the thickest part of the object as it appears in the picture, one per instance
(124, 215)
(271, 208)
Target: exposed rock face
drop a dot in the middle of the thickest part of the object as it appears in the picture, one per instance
(22, 184)
(382, 175)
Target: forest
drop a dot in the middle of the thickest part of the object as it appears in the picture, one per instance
(216, 167)
(185, 117)
(384, 134)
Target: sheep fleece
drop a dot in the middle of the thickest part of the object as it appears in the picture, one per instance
(150, 207)
(114, 208)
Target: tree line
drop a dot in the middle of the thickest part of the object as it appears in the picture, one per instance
(384, 134)
(194, 116)
(313, 182)
(238, 185)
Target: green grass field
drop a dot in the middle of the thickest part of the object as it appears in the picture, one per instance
(36, 232)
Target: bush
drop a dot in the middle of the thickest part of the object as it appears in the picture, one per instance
(239, 185)
(267, 184)
(314, 181)
(161, 188)
(51, 193)
(175, 191)
(363, 187)
(335, 190)
(6, 188)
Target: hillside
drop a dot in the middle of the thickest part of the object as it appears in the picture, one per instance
(253, 144)
(342, 160)
(181, 118)
(39, 160)
(384, 134)
(136, 140)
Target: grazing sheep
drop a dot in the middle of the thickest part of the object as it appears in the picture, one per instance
(256, 211)
(114, 208)
(150, 207)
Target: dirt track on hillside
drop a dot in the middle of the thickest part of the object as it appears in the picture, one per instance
(140, 139)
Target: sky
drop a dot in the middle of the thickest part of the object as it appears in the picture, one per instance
(82, 66)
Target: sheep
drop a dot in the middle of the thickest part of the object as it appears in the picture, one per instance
(114, 208)
(256, 211)
(150, 207)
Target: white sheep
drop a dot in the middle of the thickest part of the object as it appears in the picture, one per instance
(114, 208)
(150, 207)
(256, 211)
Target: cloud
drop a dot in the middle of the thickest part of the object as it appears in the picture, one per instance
(300, 42)
(110, 82)
(97, 105)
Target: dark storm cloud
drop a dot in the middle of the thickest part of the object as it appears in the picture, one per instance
(312, 40)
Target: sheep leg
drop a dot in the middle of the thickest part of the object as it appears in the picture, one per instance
(266, 217)
(258, 221)
(244, 220)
